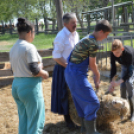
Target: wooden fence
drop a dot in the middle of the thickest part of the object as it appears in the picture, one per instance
(6, 75)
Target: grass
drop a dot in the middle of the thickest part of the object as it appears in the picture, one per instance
(41, 41)
(44, 41)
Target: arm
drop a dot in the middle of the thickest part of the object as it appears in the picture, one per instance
(32, 58)
(93, 67)
(58, 50)
(127, 76)
(42, 73)
(93, 47)
(113, 67)
(61, 61)
(37, 70)
(112, 74)
(128, 73)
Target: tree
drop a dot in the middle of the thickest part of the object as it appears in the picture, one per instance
(59, 10)
(32, 9)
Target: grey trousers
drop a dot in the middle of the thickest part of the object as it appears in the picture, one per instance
(126, 88)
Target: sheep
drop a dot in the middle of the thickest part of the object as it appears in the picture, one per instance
(111, 109)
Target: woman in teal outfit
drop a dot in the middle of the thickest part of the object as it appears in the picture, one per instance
(27, 84)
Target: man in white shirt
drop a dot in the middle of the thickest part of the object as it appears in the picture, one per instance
(64, 43)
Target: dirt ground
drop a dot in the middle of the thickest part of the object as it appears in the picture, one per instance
(54, 123)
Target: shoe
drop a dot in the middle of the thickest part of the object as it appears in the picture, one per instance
(90, 127)
(69, 122)
(131, 103)
(83, 130)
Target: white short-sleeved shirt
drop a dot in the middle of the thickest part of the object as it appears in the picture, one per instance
(64, 43)
(21, 54)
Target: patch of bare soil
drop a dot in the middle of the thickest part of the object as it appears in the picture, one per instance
(54, 123)
(5, 43)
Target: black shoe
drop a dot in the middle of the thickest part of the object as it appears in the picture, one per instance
(90, 127)
(83, 130)
(69, 122)
(71, 125)
(131, 103)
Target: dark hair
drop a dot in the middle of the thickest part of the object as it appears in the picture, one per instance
(103, 25)
(24, 25)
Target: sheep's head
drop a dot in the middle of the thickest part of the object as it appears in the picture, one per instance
(112, 108)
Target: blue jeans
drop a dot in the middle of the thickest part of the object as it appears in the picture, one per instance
(127, 86)
(27, 93)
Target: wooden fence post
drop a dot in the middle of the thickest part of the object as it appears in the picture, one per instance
(126, 19)
(106, 14)
(37, 26)
(46, 25)
(132, 13)
(118, 20)
(10, 27)
(126, 15)
(53, 25)
(3, 28)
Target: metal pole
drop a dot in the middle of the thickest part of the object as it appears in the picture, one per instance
(132, 13)
(113, 12)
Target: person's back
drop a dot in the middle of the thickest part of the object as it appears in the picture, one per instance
(27, 83)
(19, 59)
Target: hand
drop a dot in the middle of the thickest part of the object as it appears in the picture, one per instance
(110, 88)
(115, 83)
(65, 65)
(45, 74)
(96, 82)
(97, 85)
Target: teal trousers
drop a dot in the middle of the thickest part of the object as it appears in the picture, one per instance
(28, 95)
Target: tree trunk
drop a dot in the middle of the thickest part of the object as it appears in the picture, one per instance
(105, 3)
(79, 20)
(46, 25)
(59, 10)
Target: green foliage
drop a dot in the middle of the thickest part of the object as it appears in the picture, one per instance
(32, 9)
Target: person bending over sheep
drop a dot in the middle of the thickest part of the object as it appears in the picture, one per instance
(125, 56)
